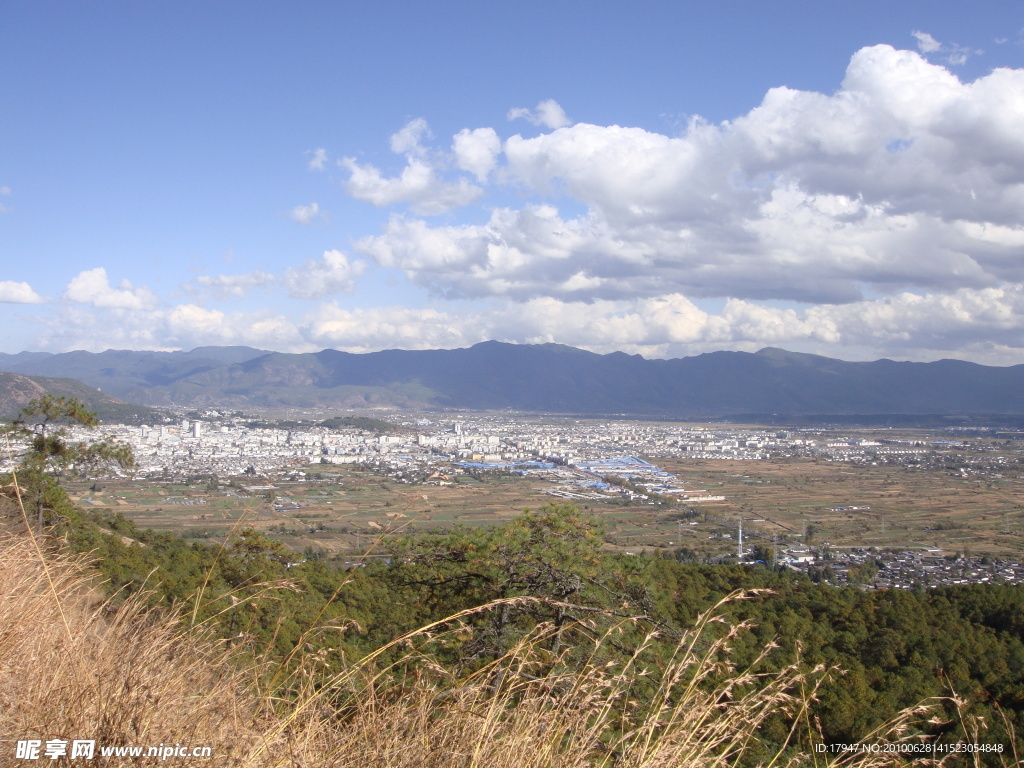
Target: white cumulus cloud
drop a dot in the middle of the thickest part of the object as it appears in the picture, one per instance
(333, 273)
(234, 286)
(305, 215)
(953, 54)
(905, 178)
(420, 184)
(925, 42)
(318, 159)
(985, 325)
(183, 326)
(477, 151)
(93, 287)
(375, 328)
(408, 140)
(12, 292)
(187, 326)
(547, 113)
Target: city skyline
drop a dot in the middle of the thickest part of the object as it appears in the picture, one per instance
(656, 179)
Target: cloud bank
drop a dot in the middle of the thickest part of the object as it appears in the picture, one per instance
(899, 196)
(904, 179)
(883, 219)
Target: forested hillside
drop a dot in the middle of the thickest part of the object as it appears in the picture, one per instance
(548, 571)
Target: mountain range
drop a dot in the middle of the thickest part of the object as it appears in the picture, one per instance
(550, 378)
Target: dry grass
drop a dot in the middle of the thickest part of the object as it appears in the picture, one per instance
(72, 667)
(531, 710)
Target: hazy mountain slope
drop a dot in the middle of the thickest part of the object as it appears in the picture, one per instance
(548, 377)
(124, 373)
(17, 390)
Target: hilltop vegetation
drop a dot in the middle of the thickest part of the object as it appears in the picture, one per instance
(527, 643)
(363, 422)
(552, 589)
(127, 676)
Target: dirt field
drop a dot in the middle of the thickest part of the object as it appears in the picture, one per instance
(856, 505)
(345, 509)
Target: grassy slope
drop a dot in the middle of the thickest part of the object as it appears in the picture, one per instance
(72, 666)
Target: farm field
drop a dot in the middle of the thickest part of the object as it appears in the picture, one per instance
(861, 505)
(337, 511)
(343, 510)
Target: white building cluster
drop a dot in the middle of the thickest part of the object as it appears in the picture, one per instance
(566, 451)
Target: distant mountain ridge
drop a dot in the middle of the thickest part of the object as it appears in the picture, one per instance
(543, 378)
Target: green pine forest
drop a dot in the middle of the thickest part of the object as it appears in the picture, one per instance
(886, 650)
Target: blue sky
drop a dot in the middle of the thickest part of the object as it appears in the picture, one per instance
(658, 178)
